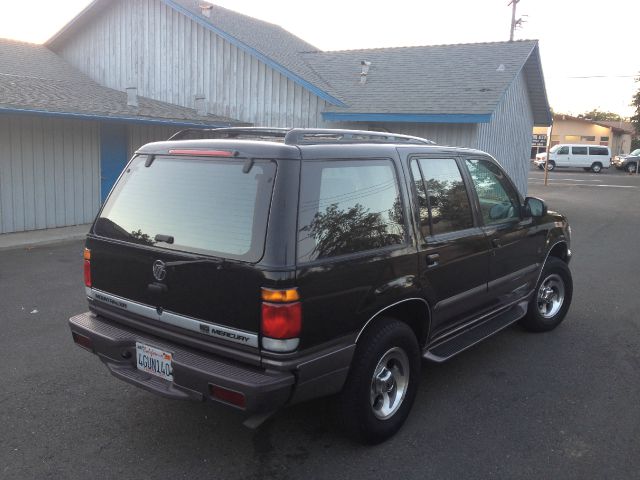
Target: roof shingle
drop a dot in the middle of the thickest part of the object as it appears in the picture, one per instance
(33, 78)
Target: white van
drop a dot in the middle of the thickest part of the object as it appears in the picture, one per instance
(588, 157)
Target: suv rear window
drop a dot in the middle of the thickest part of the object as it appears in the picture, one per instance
(208, 206)
(348, 207)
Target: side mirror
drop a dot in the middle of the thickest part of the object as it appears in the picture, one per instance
(535, 207)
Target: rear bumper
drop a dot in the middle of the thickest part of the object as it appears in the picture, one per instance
(193, 371)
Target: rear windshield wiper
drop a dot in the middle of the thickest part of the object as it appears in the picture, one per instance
(214, 261)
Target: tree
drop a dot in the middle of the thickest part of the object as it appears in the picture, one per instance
(599, 116)
(635, 102)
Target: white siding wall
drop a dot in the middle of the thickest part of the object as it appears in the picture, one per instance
(142, 134)
(508, 136)
(49, 172)
(171, 58)
(453, 135)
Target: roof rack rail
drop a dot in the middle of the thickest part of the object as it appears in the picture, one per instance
(314, 136)
(300, 136)
(230, 133)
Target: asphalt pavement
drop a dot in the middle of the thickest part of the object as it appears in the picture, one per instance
(562, 405)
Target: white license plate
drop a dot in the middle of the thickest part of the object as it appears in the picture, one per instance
(154, 361)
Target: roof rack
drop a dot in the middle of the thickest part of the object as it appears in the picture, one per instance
(314, 136)
(300, 136)
(261, 133)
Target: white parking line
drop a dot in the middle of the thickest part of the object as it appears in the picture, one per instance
(567, 179)
(559, 184)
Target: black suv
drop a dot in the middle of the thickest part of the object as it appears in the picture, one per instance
(263, 267)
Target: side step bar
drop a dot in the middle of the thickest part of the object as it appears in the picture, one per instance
(450, 347)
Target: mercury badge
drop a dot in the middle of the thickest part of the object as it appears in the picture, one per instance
(159, 270)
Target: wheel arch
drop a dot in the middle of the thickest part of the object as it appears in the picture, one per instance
(414, 311)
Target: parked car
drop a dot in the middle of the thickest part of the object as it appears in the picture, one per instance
(259, 274)
(588, 157)
(627, 162)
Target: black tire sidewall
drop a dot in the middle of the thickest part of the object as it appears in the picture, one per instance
(357, 414)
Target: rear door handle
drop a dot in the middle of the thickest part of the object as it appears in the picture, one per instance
(433, 259)
(496, 243)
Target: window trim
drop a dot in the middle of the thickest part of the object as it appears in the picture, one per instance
(399, 175)
(414, 194)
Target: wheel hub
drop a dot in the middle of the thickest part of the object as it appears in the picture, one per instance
(550, 296)
(389, 383)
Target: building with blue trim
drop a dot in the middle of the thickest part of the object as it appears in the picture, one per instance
(186, 63)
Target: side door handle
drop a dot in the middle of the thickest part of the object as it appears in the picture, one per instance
(433, 259)
(496, 243)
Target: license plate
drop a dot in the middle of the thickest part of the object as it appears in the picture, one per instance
(154, 361)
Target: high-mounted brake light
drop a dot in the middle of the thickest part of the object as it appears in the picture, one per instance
(87, 267)
(203, 153)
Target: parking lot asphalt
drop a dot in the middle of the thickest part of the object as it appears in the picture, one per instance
(562, 404)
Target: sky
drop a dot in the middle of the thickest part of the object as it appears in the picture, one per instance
(590, 53)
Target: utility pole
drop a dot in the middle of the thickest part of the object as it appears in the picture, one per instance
(514, 22)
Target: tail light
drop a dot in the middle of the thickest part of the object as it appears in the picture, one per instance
(281, 319)
(87, 267)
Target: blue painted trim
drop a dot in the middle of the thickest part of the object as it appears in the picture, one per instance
(90, 116)
(406, 117)
(260, 56)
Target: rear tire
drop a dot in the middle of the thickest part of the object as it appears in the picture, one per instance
(382, 382)
(552, 297)
(596, 167)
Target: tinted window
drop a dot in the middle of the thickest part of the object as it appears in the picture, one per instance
(348, 207)
(421, 193)
(579, 150)
(563, 150)
(498, 200)
(448, 207)
(598, 151)
(207, 206)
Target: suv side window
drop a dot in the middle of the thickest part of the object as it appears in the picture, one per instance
(348, 206)
(442, 196)
(498, 200)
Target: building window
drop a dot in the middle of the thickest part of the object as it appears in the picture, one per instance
(572, 138)
(588, 138)
(604, 139)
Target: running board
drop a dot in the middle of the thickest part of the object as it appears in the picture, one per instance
(450, 347)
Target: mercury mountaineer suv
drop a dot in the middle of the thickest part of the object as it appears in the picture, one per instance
(259, 268)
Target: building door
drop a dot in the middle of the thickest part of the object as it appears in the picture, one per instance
(113, 155)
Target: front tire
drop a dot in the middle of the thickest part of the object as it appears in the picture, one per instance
(382, 382)
(551, 299)
(631, 168)
(551, 165)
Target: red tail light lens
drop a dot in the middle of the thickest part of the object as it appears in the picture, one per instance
(84, 342)
(87, 267)
(229, 396)
(281, 321)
